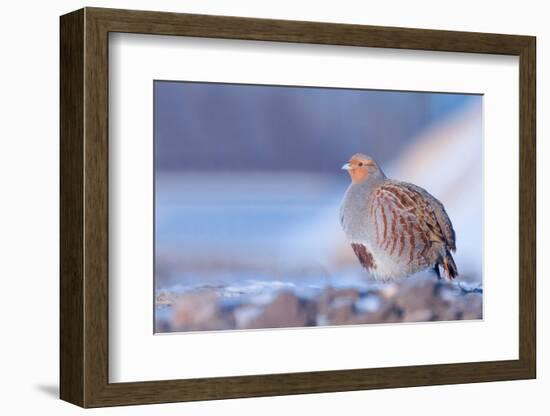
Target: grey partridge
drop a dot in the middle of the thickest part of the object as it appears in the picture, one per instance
(395, 228)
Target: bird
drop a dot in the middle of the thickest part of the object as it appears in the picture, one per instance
(395, 228)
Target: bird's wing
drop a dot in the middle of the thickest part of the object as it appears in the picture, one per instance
(437, 215)
(408, 220)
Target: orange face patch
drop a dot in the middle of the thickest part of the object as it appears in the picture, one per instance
(359, 169)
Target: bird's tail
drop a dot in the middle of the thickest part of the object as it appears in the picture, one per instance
(449, 265)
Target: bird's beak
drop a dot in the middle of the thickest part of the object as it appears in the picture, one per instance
(347, 166)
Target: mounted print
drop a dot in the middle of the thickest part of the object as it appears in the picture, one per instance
(288, 206)
(254, 207)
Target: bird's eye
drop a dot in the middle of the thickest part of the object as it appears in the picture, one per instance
(360, 163)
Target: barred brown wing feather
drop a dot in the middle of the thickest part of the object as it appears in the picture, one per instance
(406, 222)
(438, 216)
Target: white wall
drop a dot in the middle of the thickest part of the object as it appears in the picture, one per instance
(29, 207)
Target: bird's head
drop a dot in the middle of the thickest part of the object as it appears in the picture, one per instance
(362, 167)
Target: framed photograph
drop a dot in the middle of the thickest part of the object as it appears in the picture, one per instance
(255, 207)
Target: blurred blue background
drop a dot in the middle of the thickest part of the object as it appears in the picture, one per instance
(248, 181)
(240, 128)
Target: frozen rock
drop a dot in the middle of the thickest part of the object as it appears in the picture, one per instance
(284, 311)
(415, 294)
(419, 315)
(245, 314)
(199, 311)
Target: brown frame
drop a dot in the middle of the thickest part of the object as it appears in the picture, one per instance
(84, 207)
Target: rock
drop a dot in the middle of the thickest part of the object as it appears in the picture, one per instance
(324, 300)
(351, 294)
(336, 306)
(472, 306)
(415, 294)
(310, 308)
(387, 313)
(415, 299)
(199, 311)
(245, 314)
(419, 315)
(340, 314)
(285, 310)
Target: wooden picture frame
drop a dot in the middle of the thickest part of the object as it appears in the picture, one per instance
(84, 207)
